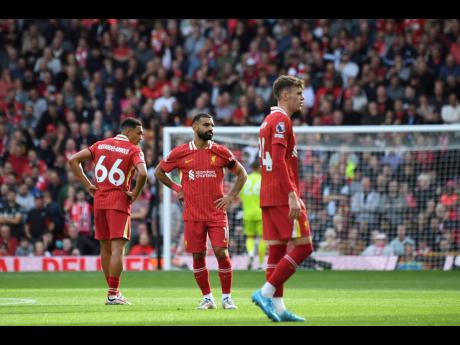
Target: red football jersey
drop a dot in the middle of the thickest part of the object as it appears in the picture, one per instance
(202, 177)
(277, 128)
(115, 161)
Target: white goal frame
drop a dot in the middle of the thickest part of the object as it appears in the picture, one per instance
(169, 131)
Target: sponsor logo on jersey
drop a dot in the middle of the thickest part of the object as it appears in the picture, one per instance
(192, 175)
(280, 127)
(281, 136)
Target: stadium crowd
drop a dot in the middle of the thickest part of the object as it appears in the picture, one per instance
(65, 84)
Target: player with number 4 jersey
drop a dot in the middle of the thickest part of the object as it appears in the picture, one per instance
(284, 216)
(116, 161)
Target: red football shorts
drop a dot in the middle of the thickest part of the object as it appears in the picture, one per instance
(195, 240)
(112, 224)
(278, 226)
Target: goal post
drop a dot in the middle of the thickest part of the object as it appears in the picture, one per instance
(422, 162)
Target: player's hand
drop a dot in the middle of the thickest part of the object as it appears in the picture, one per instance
(91, 189)
(302, 204)
(224, 202)
(130, 195)
(180, 197)
(294, 206)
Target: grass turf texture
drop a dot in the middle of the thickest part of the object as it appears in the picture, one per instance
(170, 298)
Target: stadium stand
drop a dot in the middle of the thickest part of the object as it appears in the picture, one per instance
(66, 83)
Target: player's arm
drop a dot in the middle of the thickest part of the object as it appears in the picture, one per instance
(140, 181)
(75, 164)
(160, 174)
(279, 163)
(241, 177)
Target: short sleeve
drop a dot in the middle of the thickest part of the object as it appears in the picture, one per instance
(138, 157)
(281, 130)
(228, 157)
(170, 162)
(91, 149)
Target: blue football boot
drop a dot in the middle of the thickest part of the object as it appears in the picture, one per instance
(266, 305)
(288, 316)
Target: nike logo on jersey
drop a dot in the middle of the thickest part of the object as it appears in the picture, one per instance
(188, 161)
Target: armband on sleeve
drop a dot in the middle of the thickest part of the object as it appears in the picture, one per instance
(231, 165)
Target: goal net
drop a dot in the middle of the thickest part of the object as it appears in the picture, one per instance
(384, 192)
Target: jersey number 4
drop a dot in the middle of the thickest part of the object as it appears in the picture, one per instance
(265, 155)
(102, 173)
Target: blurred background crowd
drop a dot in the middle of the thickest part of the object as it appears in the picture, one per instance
(66, 83)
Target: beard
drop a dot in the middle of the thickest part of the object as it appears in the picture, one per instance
(205, 135)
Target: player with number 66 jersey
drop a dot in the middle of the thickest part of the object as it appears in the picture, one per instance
(115, 161)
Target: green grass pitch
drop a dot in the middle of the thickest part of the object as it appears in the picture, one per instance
(170, 298)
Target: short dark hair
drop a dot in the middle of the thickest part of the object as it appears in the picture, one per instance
(285, 82)
(199, 116)
(130, 122)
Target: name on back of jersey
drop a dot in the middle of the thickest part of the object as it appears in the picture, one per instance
(113, 148)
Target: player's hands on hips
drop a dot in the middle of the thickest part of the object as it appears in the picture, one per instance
(131, 196)
(91, 189)
(180, 196)
(294, 206)
(224, 202)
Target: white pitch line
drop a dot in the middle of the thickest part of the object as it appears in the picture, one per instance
(13, 301)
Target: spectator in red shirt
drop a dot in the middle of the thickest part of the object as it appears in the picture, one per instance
(63, 248)
(34, 161)
(121, 52)
(8, 243)
(327, 89)
(18, 158)
(450, 200)
(80, 214)
(151, 90)
(143, 247)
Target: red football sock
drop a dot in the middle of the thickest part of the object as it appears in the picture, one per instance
(225, 274)
(114, 285)
(288, 264)
(275, 254)
(201, 275)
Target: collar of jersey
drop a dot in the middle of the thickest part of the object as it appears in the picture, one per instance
(122, 137)
(279, 109)
(192, 145)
